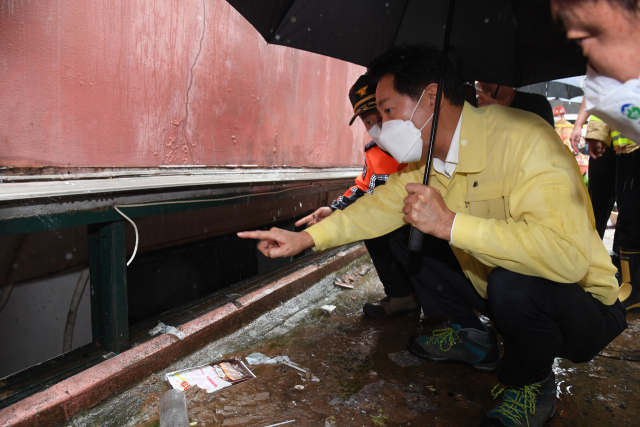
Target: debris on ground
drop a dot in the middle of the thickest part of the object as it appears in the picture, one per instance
(343, 285)
(404, 359)
(164, 329)
(261, 359)
(348, 278)
(211, 377)
(328, 309)
(282, 423)
(361, 381)
(365, 269)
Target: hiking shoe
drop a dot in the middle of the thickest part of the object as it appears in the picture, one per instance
(533, 405)
(388, 306)
(471, 346)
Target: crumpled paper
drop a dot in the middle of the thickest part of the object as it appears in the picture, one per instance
(261, 359)
(164, 329)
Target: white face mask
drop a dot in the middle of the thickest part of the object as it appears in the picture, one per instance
(617, 104)
(400, 138)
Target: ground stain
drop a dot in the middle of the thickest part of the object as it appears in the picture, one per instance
(360, 384)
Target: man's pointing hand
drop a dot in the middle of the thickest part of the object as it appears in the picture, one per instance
(277, 243)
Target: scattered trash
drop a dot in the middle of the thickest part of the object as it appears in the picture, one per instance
(299, 387)
(348, 278)
(431, 388)
(211, 377)
(193, 423)
(353, 298)
(343, 285)
(279, 424)
(306, 372)
(328, 309)
(261, 359)
(164, 329)
(364, 270)
(404, 359)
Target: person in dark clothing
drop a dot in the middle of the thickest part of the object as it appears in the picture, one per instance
(602, 187)
(509, 97)
(626, 243)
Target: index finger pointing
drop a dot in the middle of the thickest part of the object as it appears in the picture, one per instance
(260, 235)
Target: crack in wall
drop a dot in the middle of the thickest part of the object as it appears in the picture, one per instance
(186, 141)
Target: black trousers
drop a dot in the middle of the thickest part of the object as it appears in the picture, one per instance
(602, 187)
(628, 199)
(538, 319)
(393, 276)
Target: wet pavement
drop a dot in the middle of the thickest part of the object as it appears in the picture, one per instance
(366, 376)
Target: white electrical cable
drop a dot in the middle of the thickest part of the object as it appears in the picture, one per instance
(189, 201)
(135, 249)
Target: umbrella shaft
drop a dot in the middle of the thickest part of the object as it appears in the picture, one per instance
(416, 236)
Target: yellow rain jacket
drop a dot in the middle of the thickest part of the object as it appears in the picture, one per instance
(521, 203)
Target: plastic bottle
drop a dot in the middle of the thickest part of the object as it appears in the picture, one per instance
(173, 409)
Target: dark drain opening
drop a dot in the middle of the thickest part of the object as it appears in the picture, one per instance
(162, 280)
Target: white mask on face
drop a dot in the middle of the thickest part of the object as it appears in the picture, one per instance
(617, 104)
(400, 138)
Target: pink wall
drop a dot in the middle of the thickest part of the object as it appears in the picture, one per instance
(127, 83)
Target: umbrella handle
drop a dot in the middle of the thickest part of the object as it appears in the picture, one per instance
(416, 236)
(415, 240)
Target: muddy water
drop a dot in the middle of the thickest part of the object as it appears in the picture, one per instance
(366, 377)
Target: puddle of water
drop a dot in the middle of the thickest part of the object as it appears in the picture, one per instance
(366, 376)
(605, 391)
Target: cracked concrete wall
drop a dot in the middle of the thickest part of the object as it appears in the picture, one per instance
(138, 83)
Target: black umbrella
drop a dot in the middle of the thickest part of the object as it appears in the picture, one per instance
(509, 42)
(554, 89)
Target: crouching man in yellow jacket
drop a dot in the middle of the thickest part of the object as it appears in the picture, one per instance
(510, 234)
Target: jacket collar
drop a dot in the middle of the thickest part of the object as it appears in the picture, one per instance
(472, 151)
(472, 156)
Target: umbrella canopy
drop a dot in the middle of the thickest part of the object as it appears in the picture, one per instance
(564, 88)
(509, 42)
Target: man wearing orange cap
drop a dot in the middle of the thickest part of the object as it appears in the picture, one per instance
(378, 165)
(564, 128)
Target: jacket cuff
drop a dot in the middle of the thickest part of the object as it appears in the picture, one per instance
(464, 231)
(599, 131)
(320, 237)
(453, 224)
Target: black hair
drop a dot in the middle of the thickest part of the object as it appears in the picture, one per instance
(414, 67)
(632, 6)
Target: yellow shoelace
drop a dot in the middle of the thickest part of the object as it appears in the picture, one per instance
(443, 337)
(518, 403)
